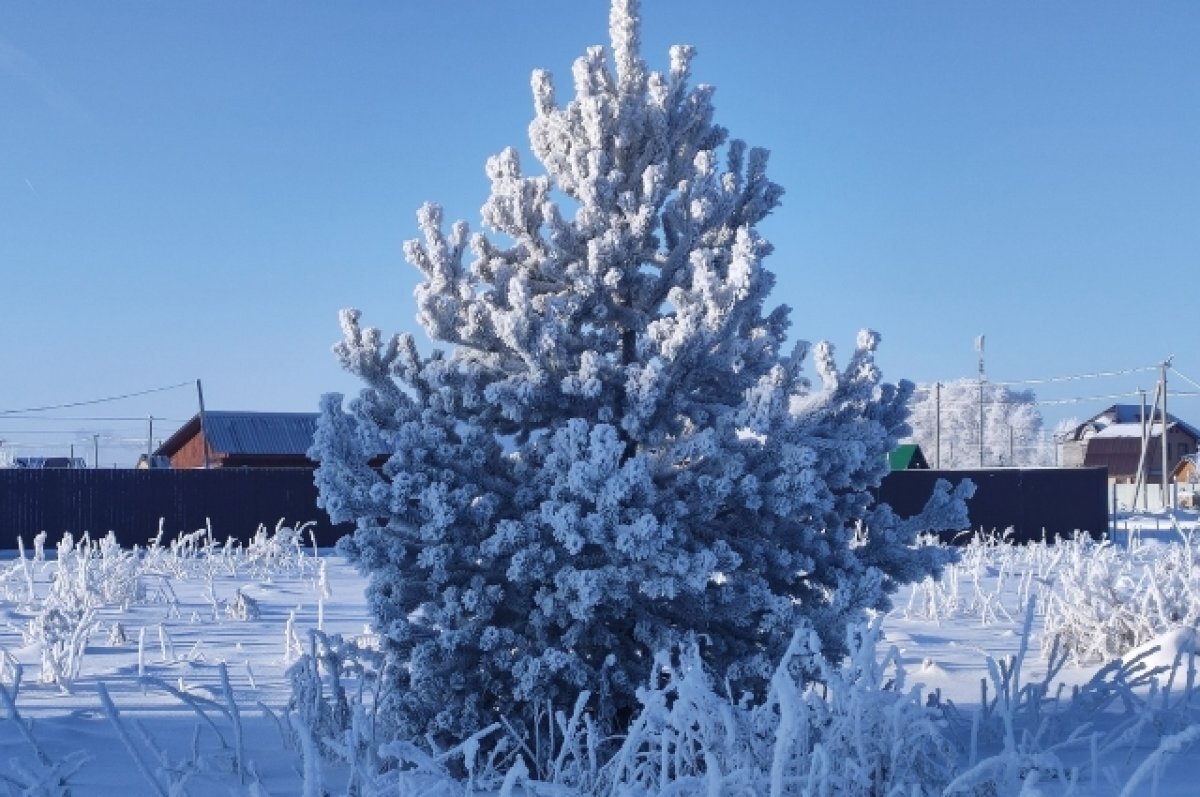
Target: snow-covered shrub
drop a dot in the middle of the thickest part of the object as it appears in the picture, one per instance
(854, 729)
(280, 551)
(61, 633)
(618, 451)
(334, 708)
(243, 607)
(113, 573)
(1108, 599)
(992, 581)
(86, 577)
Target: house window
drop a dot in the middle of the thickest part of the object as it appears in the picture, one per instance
(1183, 450)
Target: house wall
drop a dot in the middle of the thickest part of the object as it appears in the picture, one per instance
(1072, 453)
(191, 455)
(1179, 445)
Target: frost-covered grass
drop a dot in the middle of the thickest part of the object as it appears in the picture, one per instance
(1097, 600)
(168, 668)
(143, 668)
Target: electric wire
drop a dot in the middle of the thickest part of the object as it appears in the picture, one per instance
(141, 418)
(1076, 377)
(1071, 378)
(1189, 381)
(96, 401)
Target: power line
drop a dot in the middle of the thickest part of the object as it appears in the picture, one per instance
(1192, 382)
(1079, 399)
(141, 418)
(96, 401)
(1076, 377)
(1060, 379)
(79, 432)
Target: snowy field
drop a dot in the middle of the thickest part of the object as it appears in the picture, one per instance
(164, 671)
(126, 663)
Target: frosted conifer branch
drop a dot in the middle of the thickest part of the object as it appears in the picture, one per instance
(624, 27)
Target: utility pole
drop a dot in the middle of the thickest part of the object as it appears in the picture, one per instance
(149, 437)
(1141, 475)
(1141, 481)
(203, 436)
(95, 451)
(1163, 439)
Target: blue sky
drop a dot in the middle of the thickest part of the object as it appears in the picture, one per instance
(194, 190)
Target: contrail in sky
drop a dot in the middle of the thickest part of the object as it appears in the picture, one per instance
(31, 188)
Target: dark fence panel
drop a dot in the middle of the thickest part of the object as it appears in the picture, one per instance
(1053, 501)
(130, 502)
(237, 500)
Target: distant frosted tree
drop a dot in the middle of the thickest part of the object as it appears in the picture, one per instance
(1012, 425)
(616, 453)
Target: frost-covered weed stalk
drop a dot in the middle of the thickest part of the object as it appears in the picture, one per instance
(617, 451)
(1108, 599)
(992, 580)
(85, 584)
(1099, 600)
(858, 728)
(92, 580)
(86, 576)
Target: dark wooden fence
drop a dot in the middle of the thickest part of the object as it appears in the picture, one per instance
(131, 502)
(237, 500)
(1051, 501)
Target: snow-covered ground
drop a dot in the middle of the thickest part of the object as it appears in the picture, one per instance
(176, 620)
(164, 671)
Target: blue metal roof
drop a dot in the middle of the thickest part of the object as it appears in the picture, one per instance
(1125, 413)
(260, 433)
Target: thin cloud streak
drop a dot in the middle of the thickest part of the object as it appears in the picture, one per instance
(18, 65)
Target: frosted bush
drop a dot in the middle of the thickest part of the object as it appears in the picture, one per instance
(856, 729)
(1099, 600)
(335, 702)
(86, 577)
(280, 551)
(61, 634)
(992, 581)
(1108, 599)
(242, 607)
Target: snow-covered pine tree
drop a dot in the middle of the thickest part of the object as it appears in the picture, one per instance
(616, 453)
